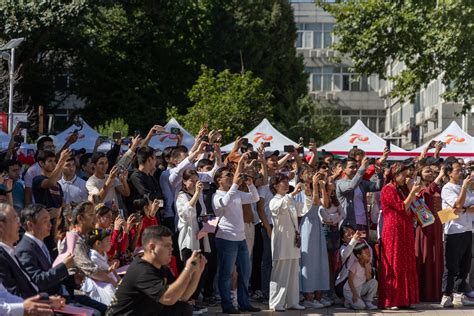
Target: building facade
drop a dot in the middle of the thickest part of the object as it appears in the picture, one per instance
(356, 97)
(412, 124)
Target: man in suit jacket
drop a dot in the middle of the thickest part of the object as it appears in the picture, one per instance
(12, 274)
(33, 253)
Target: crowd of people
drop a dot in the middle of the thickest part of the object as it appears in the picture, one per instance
(176, 231)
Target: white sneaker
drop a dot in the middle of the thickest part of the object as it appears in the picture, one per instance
(279, 309)
(297, 307)
(313, 304)
(233, 296)
(326, 302)
(370, 306)
(462, 299)
(446, 301)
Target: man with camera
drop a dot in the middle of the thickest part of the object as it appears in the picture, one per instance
(352, 190)
(149, 288)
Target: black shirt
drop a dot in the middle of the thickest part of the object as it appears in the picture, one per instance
(142, 183)
(51, 197)
(141, 290)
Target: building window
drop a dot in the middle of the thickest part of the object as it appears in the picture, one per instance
(330, 78)
(314, 35)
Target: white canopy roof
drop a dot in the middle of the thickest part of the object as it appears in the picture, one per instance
(458, 142)
(87, 137)
(265, 132)
(361, 136)
(162, 141)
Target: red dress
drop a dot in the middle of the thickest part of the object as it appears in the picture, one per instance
(398, 281)
(429, 248)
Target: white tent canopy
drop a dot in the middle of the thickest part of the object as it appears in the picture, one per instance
(87, 137)
(162, 141)
(265, 132)
(361, 136)
(458, 143)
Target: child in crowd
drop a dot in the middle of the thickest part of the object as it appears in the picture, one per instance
(361, 287)
(103, 290)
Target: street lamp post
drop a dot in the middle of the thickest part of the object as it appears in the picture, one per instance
(11, 45)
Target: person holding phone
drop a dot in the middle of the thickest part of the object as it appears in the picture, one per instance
(429, 240)
(191, 212)
(398, 278)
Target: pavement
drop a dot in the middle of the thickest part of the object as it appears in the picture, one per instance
(422, 309)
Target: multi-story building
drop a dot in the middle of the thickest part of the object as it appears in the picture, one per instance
(356, 97)
(415, 123)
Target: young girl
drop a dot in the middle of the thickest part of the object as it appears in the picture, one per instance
(99, 241)
(145, 214)
(284, 281)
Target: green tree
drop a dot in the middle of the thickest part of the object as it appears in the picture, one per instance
(316, 120)
(114, 125)
(231, 102)
(432, 38)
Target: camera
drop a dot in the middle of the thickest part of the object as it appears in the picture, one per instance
(253, 155)
(372, 161)
(24, 125)
(244, 176)
(209, 148)
(205, 139)
(116, 135)
(288, 148)
(137, 133)
(175, 131)
(245, 141)
(265, 144)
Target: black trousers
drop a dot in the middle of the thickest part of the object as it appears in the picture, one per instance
(211, 268)
(255, 279)
(187, 253)
(169, 222)
(457, 262)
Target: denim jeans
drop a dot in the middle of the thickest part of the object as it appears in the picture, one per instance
(230, 253)
(266, 267)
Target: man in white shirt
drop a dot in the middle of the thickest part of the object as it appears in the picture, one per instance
(103, 187)
(458, 236)
(74, 188)
(230, 236)
(12, 305)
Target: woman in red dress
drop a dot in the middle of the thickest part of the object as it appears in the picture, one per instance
(398, 281)
(429, 239)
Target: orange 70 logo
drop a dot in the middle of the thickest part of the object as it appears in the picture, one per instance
(171, 137)
(262, 136)
(453, 138)
(359, 137)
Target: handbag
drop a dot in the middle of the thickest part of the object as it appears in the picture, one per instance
(422, 213)
(297, 239)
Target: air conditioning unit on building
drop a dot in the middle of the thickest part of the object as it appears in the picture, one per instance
(315, 53)
(329, 53)
(419, 118)
(431, 114)
(331, 96)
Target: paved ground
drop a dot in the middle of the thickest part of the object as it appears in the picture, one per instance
(424, 309)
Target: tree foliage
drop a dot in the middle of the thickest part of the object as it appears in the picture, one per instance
(134, 59)
(231, 102)
(316, 120)
(432, 38)
(111, 126)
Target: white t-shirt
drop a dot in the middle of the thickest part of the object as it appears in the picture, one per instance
(449, 195)
(31, 173)
(359, 275)
(94, 185)
(359, 209)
